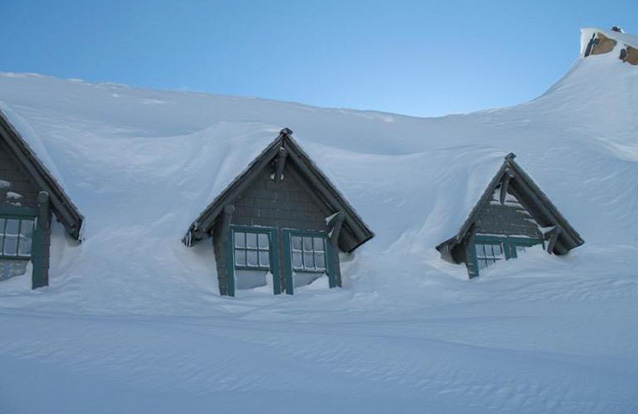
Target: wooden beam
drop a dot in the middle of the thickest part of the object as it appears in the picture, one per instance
(505, 185)
(281, 163)
(41, 243)
(335, 225)
(553, 239)
(227, 216)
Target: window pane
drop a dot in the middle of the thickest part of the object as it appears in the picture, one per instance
(308, 263)
(498, 251)
(240, 239)
(307, 244)
(304, 279)
(251, 240)
(26, 228)
(250, 279)
(489, 250)
(264, 259)
(2, 226)
(318, 244)
(320, 261)
(296, 243)
(11, 245)
(25, 246)
(263, 241)
(12, 268)
(240, 257)
(13, 226)
(251, 258)
(296, 260)
(480, 250)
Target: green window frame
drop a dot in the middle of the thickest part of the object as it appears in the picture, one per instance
(16, 236)
(489, 249)
(251, 249)
(247, 249)
(488, 253)
(309, 255)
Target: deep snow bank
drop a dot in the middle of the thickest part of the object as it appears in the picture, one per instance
(141, 164)
(132, 321)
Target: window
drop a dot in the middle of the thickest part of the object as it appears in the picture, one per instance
(252, 250)
(16, 237)
(308, 254)
(489, 249)
(488, 253)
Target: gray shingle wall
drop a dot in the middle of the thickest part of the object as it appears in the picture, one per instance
(19, 181)
(510, 219)
(287, 204)
(284, 204)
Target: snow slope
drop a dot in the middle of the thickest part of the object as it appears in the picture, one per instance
(132, 321)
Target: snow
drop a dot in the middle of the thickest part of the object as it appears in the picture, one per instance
(133, 322)
(13, 196)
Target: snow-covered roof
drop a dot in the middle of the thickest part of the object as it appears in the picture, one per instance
(60, 203)
(141, 164)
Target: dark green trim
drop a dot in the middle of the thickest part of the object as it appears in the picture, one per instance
(273, 242)
(23, 258)
(41, 243)
(287, 234)
(230, 265)
(18, 211)
(508, 244)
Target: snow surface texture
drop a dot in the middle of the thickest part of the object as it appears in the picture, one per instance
(132, 321)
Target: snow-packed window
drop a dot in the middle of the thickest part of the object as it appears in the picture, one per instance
(308, 253)
(16, 237)
(488, 253)
(252, 250)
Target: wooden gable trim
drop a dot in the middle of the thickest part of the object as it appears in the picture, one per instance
(61, 204)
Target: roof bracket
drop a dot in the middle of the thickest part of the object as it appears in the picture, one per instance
(280, 164)
(227, 216)
(553, 238)
(335, 224)
(505, 185)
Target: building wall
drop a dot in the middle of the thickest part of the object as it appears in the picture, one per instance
(18, 182)
(287, 204)
(17, 191)
(508, 219)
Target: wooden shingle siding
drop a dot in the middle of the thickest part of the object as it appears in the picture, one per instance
(506, 219)
(20, 183)
(284, 204)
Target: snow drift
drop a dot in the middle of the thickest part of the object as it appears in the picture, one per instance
(133, 311)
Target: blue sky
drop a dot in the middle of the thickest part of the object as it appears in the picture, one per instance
(413, 57)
